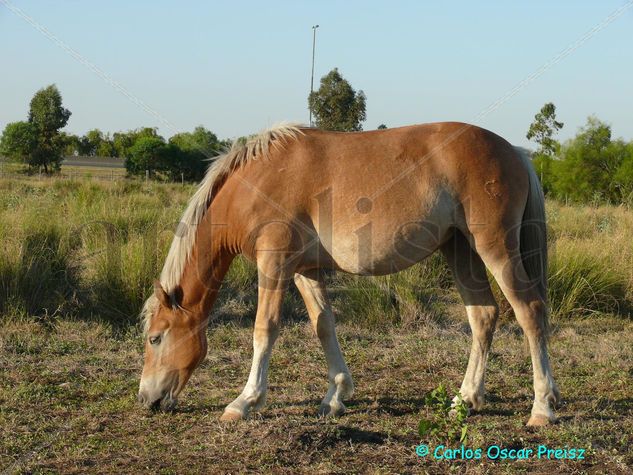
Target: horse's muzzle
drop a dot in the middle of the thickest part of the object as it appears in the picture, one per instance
(165, 403)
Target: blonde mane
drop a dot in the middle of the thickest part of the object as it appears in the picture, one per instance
(240, 152)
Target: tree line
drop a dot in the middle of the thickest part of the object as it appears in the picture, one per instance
(590, 167)
(40, 142)
(184, 155)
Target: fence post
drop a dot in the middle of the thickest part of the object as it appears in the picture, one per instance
(146, 175)
(182, 179)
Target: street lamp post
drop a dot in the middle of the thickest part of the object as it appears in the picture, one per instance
(314, 28)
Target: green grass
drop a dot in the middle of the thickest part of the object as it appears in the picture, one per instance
(581, 284)
(82, 248)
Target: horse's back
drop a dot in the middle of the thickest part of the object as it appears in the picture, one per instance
(382, 200)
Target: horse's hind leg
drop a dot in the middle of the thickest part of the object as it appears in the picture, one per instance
(312, 289)
(472, 283)
(504, 261)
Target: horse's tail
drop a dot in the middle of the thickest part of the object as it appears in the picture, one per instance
(534, 232)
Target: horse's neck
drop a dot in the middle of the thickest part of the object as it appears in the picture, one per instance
(202, 278)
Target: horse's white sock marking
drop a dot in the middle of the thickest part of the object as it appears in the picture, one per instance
(253, 395)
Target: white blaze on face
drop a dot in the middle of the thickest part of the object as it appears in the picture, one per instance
(158, 383)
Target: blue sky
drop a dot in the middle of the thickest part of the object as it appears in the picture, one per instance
(236, 67)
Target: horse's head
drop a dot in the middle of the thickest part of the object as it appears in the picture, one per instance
(175, 344)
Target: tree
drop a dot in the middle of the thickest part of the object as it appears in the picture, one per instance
(200, 140)
(382, 127)
(196, 147)
(91, 142)
(124, 141)
(96, 143)
(186, 164)
(72, 144)
(147, 153)
(47, 115)
(336, 105)
(623, 178)
(589, 165)
(18, 141)
(106, 147)
(543, 129)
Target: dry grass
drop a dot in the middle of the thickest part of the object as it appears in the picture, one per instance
(78, 259)
(67, 395)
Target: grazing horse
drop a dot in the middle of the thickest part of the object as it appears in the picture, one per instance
(298, 201)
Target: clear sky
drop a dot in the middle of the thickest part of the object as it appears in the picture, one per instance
(236, 66)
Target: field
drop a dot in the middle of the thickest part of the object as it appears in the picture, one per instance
(69, 170)
(78, 259)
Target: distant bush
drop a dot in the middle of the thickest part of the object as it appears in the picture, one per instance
(590, 168)
(185, 156)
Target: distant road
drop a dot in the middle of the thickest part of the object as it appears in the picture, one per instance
(99, 162)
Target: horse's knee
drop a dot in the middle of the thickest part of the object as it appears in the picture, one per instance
(483, 319)
(533, 318)
(324, 325)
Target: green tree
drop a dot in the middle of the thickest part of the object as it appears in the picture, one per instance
(84, 146)
(96, 143)
(71, 144)
(147, 153)
(336, 105)
(106, 147)
(48, 116)
(195, 149)
(382, 127)
(543, 128)
(588, 165)
(622, 183)
(124, 141)
(200, 140)
(91, 142)
(186, 164)
(18, 141)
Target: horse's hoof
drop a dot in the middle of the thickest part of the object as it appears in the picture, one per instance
(540, 420)
(453, 412)
(229, 416)
(331, 411)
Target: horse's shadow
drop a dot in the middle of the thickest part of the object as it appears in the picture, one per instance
(395, 407)
(403, 406)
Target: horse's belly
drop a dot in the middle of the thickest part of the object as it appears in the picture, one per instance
(397, 231)
(385, 251)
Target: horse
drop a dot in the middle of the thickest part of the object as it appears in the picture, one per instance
(300, 202)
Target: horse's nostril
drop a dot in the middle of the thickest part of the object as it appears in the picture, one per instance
(142, 398)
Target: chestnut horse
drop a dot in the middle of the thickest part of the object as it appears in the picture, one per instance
(298, 201)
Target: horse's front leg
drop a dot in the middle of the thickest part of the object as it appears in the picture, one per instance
(341, 386)
(273, 278)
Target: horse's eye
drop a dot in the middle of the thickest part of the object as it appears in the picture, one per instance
(154, 340)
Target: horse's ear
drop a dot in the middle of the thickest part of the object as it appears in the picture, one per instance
(161, 295)
(178, 295)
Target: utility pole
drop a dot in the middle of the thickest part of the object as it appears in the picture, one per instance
(314, 29)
